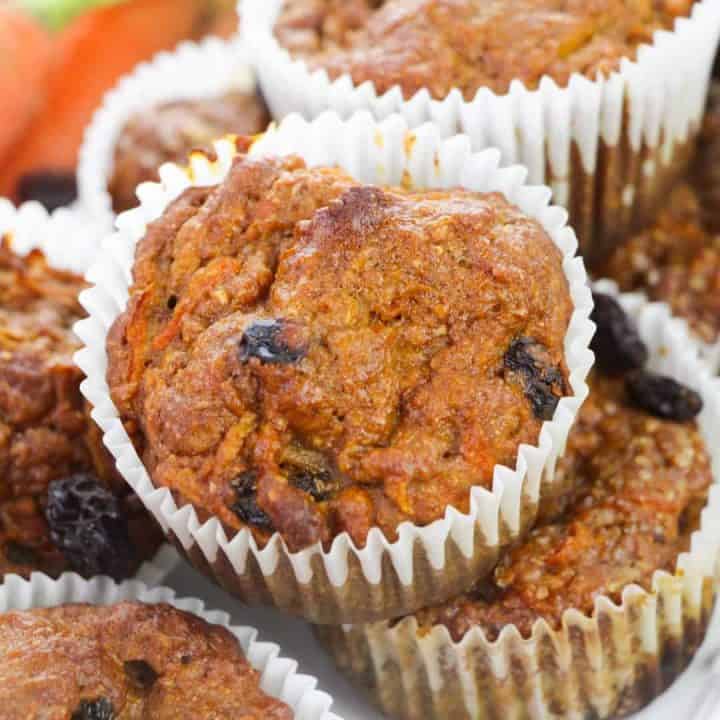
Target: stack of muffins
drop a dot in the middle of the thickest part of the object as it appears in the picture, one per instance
(345, 364)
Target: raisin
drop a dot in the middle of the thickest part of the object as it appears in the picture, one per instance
(315, 482)
(51, 188)
(267, 341)
(245, 505)
(662, 396)
(544, 385)
(309, 471)
(88, 525)
(99, 709)
(617, 344)
(140, 673)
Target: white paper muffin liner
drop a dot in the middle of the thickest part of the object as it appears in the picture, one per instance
(383, 579)
(602, 666)
(279, 676)
(70, 241)
(192, 71)
(608, 148)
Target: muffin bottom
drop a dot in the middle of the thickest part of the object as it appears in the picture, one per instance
(563, 679)
(326, 602)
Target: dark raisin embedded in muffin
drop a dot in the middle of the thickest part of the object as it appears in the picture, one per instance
(470, 44)
(308, 355)
(127, 660)
(90, 527)
(617, 344)
(169, 132)
(46, 433)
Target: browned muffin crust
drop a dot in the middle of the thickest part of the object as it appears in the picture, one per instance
(304, 354)
(45, 428)
(470, 44)
(677, 259)
(126, 661)
(637, 485)
(169, 132)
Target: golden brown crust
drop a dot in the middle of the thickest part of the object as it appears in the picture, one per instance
(636, 486)
(469, 44)
(169, 132)
(403, 326)
(142, 660)
(46, 431)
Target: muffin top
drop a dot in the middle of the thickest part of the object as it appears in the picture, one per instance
(46, 433)
(677, 259)
(126, 661)
(629, 493)
(305, 354)
(470, 44)
(170, 131)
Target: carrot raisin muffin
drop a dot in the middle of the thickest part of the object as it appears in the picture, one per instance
(677, 259)
(61, 504)
(126, 661)
(305, 354)
(169, 132)
(636, 474)
(469, 44)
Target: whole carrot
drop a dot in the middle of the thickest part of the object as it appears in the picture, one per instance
(88, 57)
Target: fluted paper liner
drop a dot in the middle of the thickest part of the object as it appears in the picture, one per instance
(383, 579)
(608, 148)
(69, 241)
(606, 665)
(190, 72)
(278, 675)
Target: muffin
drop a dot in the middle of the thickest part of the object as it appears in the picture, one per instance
(164, 109)
(62, 506)
(439, 45)
(309, 355)
(170, 131)
(126, 660)
(607, 599)
(676, 259)
(601, 101)
(314, 315)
